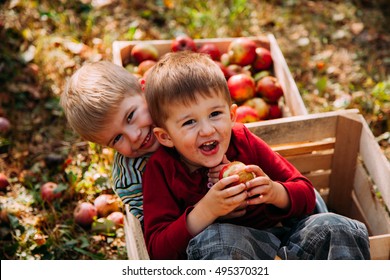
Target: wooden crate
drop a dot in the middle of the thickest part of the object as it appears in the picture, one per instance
(339, 154)
(293, 101)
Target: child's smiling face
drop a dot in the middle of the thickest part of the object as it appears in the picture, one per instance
(200, 131)
(129, 129)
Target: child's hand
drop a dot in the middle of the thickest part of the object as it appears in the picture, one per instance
(236, 213)
(263, 190)
(218, 201)
(214, 172)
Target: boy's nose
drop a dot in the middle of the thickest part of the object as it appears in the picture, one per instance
(206, 128)
(134, 135)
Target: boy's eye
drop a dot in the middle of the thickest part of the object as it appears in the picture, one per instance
(116, 139)
(216, 113)
(189, 122)
(130, 116)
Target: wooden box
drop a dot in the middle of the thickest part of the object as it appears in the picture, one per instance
(293, 102)
(339, 154)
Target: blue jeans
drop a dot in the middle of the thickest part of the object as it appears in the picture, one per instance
(316, 237)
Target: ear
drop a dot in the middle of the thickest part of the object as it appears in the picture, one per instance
(163, 137)
(233, 113)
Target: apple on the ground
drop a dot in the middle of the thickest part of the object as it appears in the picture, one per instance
(85, 213)
(106, 204)
(50, 191)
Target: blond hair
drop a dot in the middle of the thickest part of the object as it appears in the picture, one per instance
(93, 93)
(182, 77)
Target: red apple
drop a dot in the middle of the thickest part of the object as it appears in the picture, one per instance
(234, 69)
(85, 213)
(144, 51)
(4, 183)
(145, 65)
(106, 204)
(269, 88)
(275, 111)
(117, 217)
(263, 59)
(261, 107)
(246, 114)
(50, 191)
(242, 87)
(242, 51)
(236, 168)
(183, 43)
(4, 124)
(210, 49)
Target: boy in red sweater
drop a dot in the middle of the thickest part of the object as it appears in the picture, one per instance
(190, 105)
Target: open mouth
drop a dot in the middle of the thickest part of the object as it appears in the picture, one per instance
(147, 139)
(209, 146)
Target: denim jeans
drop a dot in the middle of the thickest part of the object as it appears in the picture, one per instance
(316, 237)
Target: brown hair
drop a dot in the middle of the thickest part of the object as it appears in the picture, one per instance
(182, 77)
(94, 92)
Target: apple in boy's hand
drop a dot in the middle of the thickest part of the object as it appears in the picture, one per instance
(85, 213)
(144, 51)
(241, 87)
(242, 51)
(236, 168)
(183, 43)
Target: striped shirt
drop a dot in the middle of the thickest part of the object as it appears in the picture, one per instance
(127, 177)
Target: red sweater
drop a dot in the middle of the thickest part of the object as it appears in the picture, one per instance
(170, 192)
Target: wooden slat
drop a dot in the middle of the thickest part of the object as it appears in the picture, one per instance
(301, 148)
(376, 216)
(380, 247)
(313, 127)
(375, 161)
(135, 243)
(344, 164)
(312, 162)
(319, 179)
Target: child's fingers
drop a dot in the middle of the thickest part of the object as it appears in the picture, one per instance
(255, 169)
(224, 182)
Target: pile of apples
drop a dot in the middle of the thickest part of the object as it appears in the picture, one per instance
(247, 68)
(104, 214)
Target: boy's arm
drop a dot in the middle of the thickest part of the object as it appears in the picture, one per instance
(127, 182)
(170, 222)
